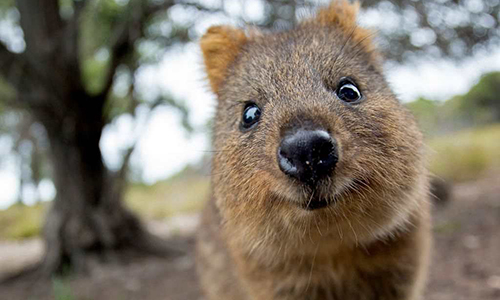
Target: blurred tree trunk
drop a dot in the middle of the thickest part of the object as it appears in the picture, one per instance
(87, 215)
(87, 218)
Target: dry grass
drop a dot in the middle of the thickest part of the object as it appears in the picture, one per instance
(162, 200)
(21, 221)
(168, 198)
(467, 154)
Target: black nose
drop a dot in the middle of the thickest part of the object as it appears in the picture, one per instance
(308, 155)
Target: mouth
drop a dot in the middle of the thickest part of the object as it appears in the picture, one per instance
(315, 204)
(323, 196)
(321, 199)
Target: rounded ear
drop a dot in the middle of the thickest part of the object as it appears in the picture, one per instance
(220, 46)
(342, 14)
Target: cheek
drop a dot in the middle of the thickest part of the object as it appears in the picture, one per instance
(269, 156)
(347, 148)
(241, 183)
(236, 157)
(374, 146)
(359, 138)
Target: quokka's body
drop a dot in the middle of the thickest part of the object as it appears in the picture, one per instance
(319, 186)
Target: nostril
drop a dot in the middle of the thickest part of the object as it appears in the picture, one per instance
(286, 165)
(282, 153)
(307, 155)
(324, 150)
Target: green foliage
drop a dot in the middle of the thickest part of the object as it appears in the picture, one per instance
(5, 5)
(426, 112)
(98, 31)
(94, 70)
(20, 221)
(484, 99)
(7, 94)
(62, 289)
(478, 107)
(465, 155)
(96, 34)
(96, 25)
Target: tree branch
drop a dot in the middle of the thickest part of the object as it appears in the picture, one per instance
(25, 75)
(45, 36)
(130, 30)
(10, 63)
(156, 8)
(124, 37)
(120, 47)
(69, 43)
(41, 24)
(79, 6)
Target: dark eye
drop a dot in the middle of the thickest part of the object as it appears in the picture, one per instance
(348, 92)
(251, 115)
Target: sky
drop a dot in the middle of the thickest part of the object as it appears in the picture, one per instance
(164, 147)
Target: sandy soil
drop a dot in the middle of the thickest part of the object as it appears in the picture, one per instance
(465, 265)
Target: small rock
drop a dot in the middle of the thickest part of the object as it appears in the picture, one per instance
(133, 285)
(494, 282)
(471, 242)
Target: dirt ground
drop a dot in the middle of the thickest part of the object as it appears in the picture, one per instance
(465, 263)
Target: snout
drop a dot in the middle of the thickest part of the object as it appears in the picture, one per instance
(308, 155)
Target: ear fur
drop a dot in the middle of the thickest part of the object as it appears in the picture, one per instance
(343, 14)
(220, 46)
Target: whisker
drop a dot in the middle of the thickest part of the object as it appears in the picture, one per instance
(312, 267)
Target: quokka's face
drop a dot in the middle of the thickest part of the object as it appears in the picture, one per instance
(306, 121)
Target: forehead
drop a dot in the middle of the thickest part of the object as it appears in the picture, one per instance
(305, 49)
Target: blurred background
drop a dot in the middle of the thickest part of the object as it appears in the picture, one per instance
(105, 137)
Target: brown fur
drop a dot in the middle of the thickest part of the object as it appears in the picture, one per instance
(256, 241)
(220, 46)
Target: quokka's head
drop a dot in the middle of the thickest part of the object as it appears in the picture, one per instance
(306, 125)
